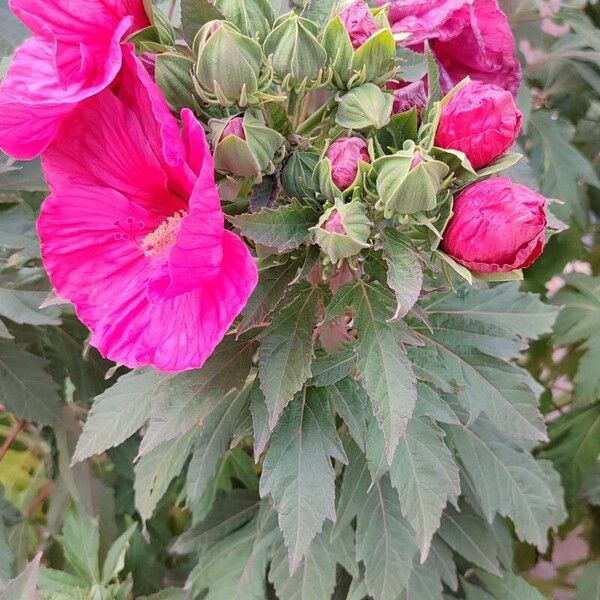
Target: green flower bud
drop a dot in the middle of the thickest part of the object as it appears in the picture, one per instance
(408, 182)
(297, 175)
(229, 65)
(343, 230)
(363, 107)
(295, 53)
(253, 18)
(360, 47)
(245, 147)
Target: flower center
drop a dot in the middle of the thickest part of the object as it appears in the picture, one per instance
(163, 237)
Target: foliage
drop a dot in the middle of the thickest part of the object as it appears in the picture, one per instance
(415, 461)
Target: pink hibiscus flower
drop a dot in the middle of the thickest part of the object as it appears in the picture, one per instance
(74, 54)
(468, 37)
(133, 232)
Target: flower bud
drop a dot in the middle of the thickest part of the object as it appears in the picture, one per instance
(253, 18)
(296, 55)
(497, 227)
(345, 155)
(480, 120)
(343, 230)
(244, 147)
(228, 68)
(360, 46)
(408, 95)
(408, 182)
(340, 169)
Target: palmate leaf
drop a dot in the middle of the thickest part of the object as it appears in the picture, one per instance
(385, 370)
(234, 568)
(509, 587)
(384, 542)
(574, 448)
(426, 477)
(212, 441)
(469, 535)
(286, 351)
(297, 470)
(284, 228)
(118, 413)
(315, 577)
(155, 471)
(506, 481)
(405, 275)
(579, 323)
(349, 400)
(186, 399)
(328, 369)
(561, 165)
(26, 388)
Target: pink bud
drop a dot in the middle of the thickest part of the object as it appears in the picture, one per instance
(408, 95)
(359, 23)
(344, 155)
(497, 226)
(234, 127)
(334, 224)
(480, 120)
(416, 161)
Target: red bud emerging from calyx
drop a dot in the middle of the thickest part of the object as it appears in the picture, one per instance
(359, 23)
(344, 154)
(498, 226)
(480, 120)
(408, 95)
(234, 127)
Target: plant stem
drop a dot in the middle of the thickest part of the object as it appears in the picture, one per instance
(12, 436)
(313, 121)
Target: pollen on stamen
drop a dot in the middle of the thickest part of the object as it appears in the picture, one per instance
(163, 237)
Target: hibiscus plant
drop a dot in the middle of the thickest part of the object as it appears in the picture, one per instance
(275, 340)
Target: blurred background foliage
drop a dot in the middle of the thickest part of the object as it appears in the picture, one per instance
(559, 44)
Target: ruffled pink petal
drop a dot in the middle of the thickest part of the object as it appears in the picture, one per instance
(92, 262)
(78, 21)
(197, 253)
(106, 144)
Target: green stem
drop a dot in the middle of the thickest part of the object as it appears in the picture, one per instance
(238, 207)
(313, 121)
(295, 107)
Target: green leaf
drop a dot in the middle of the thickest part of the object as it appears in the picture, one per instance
(364, 107)
(173, 75)
(260, 419)
(155, 471)
(234, 568)
(424, 584)
(286, 351)
(186, 399)
(502, 306)
(506, 481)
(272, 287)
(510, 587)
(319, 11)
(118, 413)
(426, 477)
(194, 14)
(384, 542)
(506, 393)
(297, 470)
(442, 560)
(574, 448)
(384, 368)
(26, 389)
(328, 369)
(562, 166)
(115, 558)
(315, 577)
(211, 443)
(24, 586)
(22, 306)
(230, 511)
(350, 401)
(470, 536)
(405, 276)
(283, 228)
(588, 583)
(81, 544)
